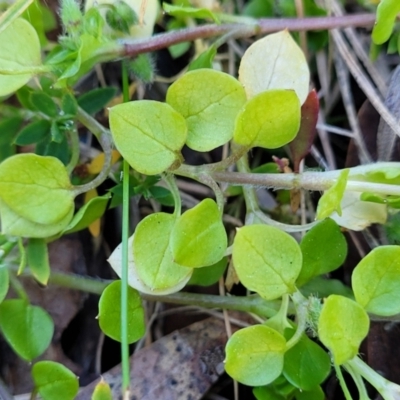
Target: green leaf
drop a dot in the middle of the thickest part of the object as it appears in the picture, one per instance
(152, 253)
(32, 185)
(259, 8)
(15, 225)
(342, 326)
(190, 12)
(27, 329)
(331, 199)
(324, 249)
(204, 60)
(149, 135)
(44, 103)
(313, 394)
(376, 281)
(19, 52)
(54, 381)
(69, 104)
(207, 276)
(386, 15)
(323, 287)
(267, 393)
(90, 212)
(269, 64)
(4, 282)
(38, 260)
(102, 391)
(198, 238)
(392, 229)
(209, 101)
(110, 313)
(306, 364)
(254, 355)
(24, 97)
(261, 264)
(120, 16)
(180, 275)
(270, 119)
(8, 128)
(162, 195)
(55, 132)
(33, 133)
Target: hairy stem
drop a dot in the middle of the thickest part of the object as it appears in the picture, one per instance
(133, 47)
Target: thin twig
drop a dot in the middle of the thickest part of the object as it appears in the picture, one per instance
(133, 47)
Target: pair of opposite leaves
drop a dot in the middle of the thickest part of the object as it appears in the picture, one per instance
(205, 108)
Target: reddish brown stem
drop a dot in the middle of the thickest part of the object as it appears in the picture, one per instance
(133, 47)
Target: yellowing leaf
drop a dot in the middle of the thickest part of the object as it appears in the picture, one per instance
(133, 277)
(261, 264)
(148, 134)
(275, 62)
(270, 119)
(342, 326)
(36, 188)
(96, 165)
(198, 238)
(357, 214)
(209, 101)
(376, 279)
(15, 225)
(19, 51)
(255, 355)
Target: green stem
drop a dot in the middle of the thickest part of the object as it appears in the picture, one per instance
(19, 289)
(301, 305)
(104, 137)
(173, 187)
(252, 304)
(124, 272)
(6, 247)
(74, 141)
(23, 256)
(219, 196)
(388, 390)
(362, 390)
(342, 383)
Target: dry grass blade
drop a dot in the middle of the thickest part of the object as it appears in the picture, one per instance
(364, 81)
